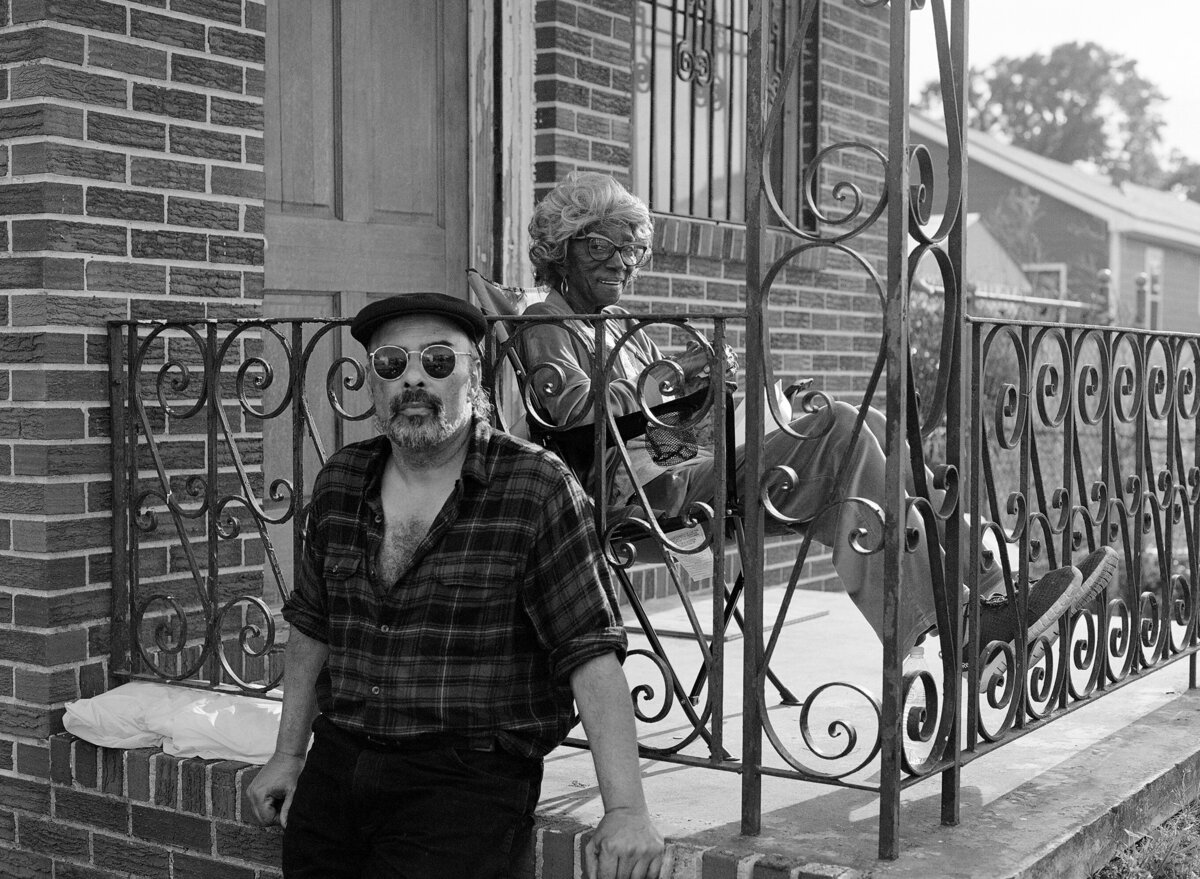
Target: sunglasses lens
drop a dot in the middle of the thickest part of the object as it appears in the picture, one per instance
(438, 360)
(389, 362)
(633, 254)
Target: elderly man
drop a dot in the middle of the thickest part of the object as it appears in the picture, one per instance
(450, 603)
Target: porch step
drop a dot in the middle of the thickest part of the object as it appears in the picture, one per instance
(1058, 802)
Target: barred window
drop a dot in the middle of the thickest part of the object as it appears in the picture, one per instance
(689, 114)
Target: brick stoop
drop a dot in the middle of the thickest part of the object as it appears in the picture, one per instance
(558, 846)
(146, 813)
(110, 812)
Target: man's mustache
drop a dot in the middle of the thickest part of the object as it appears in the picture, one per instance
(416, 396)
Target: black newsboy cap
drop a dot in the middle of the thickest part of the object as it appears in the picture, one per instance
(461, 312)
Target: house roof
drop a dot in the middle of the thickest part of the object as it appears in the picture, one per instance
(990, 268)
(1130, 209)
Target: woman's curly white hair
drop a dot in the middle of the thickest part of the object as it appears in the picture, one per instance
(581, 202)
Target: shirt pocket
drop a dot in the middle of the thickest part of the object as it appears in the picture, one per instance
(343, 573)
(472, 605)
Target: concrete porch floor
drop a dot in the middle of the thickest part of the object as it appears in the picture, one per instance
(1058, 802)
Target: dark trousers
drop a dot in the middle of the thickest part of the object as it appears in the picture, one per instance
(431, 813)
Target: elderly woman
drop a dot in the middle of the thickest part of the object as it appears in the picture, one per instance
(589, 236)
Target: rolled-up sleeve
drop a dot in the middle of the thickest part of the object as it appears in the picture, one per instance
(305, 608)
(568, 593)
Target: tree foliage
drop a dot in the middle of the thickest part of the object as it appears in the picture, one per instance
(1081, 102)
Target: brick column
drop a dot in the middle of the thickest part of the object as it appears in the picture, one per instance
(131, 186)
(583, 87)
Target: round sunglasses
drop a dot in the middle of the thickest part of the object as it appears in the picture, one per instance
(601, 249)
(390, 361)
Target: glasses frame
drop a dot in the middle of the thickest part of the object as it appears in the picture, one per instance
(420, 358)
(616, 248)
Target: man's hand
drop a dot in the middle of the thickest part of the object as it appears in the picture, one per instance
(270, 794)
(625, 845)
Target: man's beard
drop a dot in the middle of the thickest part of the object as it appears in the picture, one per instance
(419, 432)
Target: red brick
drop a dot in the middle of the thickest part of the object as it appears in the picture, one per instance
(206, 72)
(235, 44)
(94, 14)
(228, 11)
(166, 174)
(166, 29)
(171, 828)
(206, 144)
(203, 214)
(129, 856)
(239, 114)
(166, 780)
(33, 760)
(53, 837)
(193, 786)
(242, 182)
(61, 771)
(50, 81)
(257, 845)
(127, 58)
(41, 119)
(23, 572)
(45, 687)
(64, 235)
(40, 43)
(41, 198)
(25, 795)
(46, 272)
(49, 649)
(18, 864)
(67, 310)
(59, 385)
(63, 609)
(123, 277)
(231, 249)
(125, 131)
(137, 773)
(175, 103)
(192, 867)
(68, 160)
(158, 244)
(124, 204)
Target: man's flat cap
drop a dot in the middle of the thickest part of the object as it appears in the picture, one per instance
(461, 312)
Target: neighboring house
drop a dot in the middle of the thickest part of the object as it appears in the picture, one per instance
(1087, 224)
(151, 151)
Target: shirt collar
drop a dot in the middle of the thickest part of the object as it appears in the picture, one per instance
(474, 467)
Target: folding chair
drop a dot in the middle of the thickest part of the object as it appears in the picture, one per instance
(576, 446)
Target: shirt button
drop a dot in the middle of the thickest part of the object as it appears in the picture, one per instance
(385, 628)
(337, 567)
(374, 691)
(378, 517)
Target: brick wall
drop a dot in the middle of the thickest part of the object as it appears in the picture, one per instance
(131, 186)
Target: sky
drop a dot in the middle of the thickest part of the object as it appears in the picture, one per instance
(1163, 36)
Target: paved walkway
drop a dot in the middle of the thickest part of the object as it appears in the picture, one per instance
(1056, 803)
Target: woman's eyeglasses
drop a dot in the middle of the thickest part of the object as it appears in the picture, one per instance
(601, 249)
(390, 361)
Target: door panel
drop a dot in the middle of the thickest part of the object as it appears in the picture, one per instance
(367, 159)
(367, 167)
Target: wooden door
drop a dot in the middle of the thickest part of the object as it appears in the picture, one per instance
(367, 167)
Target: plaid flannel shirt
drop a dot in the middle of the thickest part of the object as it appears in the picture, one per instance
(505, 596)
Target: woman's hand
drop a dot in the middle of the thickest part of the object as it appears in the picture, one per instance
(696, 363)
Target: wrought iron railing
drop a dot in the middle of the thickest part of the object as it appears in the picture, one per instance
(1057, 440)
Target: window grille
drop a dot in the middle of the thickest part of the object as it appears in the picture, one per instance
(689, 107)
